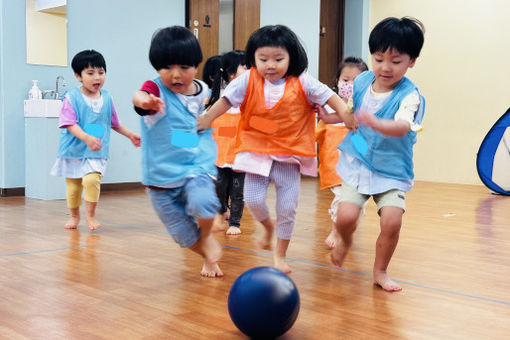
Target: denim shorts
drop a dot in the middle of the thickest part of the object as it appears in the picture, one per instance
(178, 207)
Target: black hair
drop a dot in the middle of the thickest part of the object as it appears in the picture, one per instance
(278, 36)
(174, 45)
(228, 64)
(349, 61)
(87, 58)
(212, 67)
(405, 35)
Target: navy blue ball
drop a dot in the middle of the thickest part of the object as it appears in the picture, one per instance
(263, 302)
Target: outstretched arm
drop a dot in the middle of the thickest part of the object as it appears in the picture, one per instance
(325, 116)
(219, 108)
(388, 127)
(343, 113)
(148, 101)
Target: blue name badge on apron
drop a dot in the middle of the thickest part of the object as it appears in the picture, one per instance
(359, 143)
(95, 130)
(184, 139)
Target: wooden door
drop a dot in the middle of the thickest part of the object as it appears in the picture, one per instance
(246, 21)
(203, 20)
(331, 39)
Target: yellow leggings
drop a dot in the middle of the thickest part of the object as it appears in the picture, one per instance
(91, 182)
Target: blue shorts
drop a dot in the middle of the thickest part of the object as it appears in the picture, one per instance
(178, 207)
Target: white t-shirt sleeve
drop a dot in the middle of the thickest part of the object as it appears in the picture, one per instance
(315, 91)
(408, 109)
(236, 89)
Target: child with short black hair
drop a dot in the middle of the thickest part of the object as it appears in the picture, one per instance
(178, 164)
(377, 160)
(229, 183)
(276, 135)
(85, 120)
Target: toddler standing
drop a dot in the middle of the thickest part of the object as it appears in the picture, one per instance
(86, 117)
(229, 183)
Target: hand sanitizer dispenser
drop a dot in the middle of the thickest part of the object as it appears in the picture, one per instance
(35, 92)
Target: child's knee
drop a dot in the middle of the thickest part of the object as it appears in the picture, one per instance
(185, 233)
(254, 202)
(347, 217)
(73, 192)
(391, 226)
(92, 185)
(203, 206)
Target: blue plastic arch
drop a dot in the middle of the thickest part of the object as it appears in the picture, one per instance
(487, 151)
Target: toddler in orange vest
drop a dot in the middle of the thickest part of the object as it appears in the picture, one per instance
(275, 140)
(219, 71)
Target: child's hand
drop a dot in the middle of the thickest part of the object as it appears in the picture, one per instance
(328, 118)
(135, 139)
(321, 111)
(93, 143)
(203, 122)
(153, 103)
(368, 119)
(350, 122)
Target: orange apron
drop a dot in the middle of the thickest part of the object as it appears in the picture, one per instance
(328, 138)
(288, 128)
(225, 132)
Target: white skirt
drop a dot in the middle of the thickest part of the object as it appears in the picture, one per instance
(77, 168)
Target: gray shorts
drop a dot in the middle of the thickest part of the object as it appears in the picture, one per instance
(347, 193)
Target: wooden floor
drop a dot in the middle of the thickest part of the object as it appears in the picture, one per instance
(129, 280)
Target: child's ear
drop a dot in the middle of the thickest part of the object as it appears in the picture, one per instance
(78, 76)
(412, 62)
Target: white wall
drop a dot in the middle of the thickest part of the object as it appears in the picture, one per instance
(46, 36)
(463, 73)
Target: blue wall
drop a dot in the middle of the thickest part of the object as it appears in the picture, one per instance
(2, 101)
(121, 33)
(356, 28)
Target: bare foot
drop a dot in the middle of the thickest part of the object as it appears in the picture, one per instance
(281, 264)
(233, 231)
(93, 223)
(211, 270)
(333, 238)
(338, 253)
(211, 249)
(383, 280)
(73, 222)
(219, 223)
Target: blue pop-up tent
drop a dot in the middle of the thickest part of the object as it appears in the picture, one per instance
(493, 158)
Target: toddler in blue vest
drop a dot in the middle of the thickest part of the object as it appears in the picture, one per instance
(178, 165)
(85, 120)
(377, 159)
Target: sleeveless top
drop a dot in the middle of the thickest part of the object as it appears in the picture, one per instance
(285, 129)
(171, 148)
